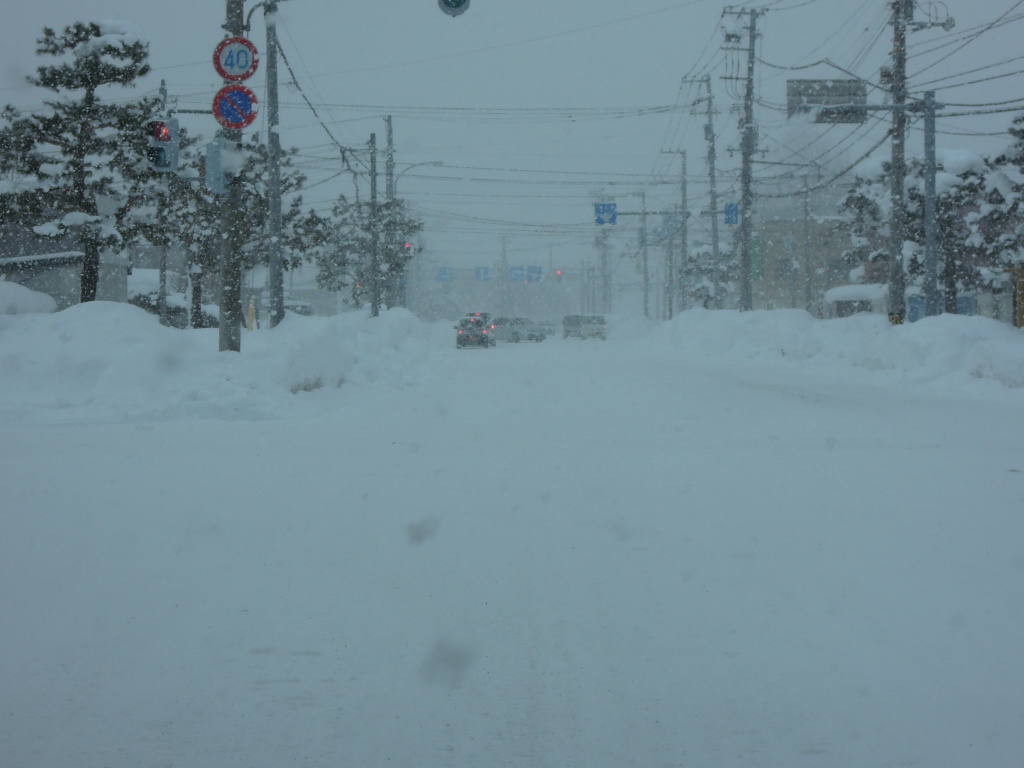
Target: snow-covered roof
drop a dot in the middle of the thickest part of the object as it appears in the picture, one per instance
(869, 292)
(11, 263)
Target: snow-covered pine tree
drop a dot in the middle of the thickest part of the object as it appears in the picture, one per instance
(76, 150)
(957, 186)
(865, 209)
(345, 260)
(998, 228)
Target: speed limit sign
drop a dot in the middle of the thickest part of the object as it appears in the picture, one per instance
(235, 59)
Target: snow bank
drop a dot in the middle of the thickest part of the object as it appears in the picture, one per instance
(17, 299)
(104, 361)
(107, 361)
(947, 348)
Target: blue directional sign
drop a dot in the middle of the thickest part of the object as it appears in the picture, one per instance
(533, 274)
(517, 274)
(732, 213)
(483, 274)
(445, 274)
(605, 213)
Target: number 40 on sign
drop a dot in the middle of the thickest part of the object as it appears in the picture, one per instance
(235, 59)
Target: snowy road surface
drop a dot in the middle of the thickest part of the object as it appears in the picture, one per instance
(593, 554)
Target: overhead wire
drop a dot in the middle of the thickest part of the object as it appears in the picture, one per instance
(345, 151)
(970, 38)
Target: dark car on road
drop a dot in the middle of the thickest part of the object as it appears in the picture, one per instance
(472, 332)
(584, 327)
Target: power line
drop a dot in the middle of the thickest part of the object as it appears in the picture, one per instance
(838, 176)
(972, 38)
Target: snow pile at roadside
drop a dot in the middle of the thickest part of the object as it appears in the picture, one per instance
(933, 349)
(16, 299)
(106, 361)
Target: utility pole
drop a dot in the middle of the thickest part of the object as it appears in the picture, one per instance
(709, 136)
(374, 232)
(390, 244)
(389, 161)
(902, 10)
(606, 280)
(807, 250)
(506, 307)
(684, 215)
(931, 259)
(643, 252)
(748, 147)
(276, 262)
(684, 232)
(161, 296)
(230, 331)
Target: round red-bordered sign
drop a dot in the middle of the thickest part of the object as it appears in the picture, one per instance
(235, 59)
(234, 106)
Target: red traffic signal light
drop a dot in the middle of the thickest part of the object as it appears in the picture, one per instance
(162, 137)
(159, 130)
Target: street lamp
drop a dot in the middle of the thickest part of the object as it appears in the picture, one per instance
(394, 182)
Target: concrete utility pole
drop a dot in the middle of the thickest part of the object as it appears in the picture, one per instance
(902, 10)
(675, 275)
(375, 292)
(684, 233)
(931, 260)
(276, 262)
(643, 253)
(606, 279)
(390, 236)
(808, 252)
(506, 304)
(389, 161)
(230, 332)
(748, 147)
(709, 136)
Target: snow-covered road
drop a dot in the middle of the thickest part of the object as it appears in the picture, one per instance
(628, 553)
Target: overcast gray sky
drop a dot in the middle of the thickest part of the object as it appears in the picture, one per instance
(532, 106)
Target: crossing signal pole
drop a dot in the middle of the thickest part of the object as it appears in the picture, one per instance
(275, 276)
(709, 136)
(230, 330)
(748, 146)
(901, 13)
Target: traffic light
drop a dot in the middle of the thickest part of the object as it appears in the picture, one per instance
(453, 7)
(162, 152)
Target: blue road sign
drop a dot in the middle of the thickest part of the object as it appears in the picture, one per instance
(234, 106)
(605, 213)
(517, 274)
(483, 274)
(533, 274)
(445, 274)
(732, 213)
